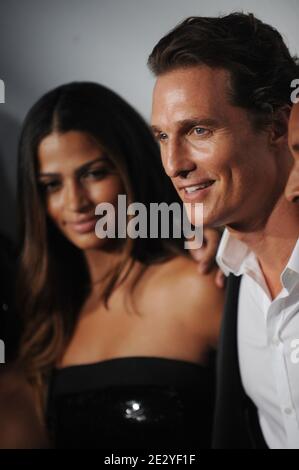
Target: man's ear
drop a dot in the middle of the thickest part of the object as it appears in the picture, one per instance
(279, 125)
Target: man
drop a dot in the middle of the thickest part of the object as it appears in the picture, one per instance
(220, 112)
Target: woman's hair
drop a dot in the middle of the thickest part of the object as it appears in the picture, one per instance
(260, 65)
(53, 279)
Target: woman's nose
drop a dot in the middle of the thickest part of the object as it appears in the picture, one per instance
(76, 196)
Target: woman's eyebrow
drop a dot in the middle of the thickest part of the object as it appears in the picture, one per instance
(84, 167)
(45, 175)
(79, 170)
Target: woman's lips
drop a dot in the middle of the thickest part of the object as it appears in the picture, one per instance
(85, 226)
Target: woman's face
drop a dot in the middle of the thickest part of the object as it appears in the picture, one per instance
(76, 175)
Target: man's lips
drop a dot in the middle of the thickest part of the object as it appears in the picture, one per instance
(83, 225)
(197, 190)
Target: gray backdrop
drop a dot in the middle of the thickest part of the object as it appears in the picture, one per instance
(47, 43)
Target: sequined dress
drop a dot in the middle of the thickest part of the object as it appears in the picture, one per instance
(132, 402)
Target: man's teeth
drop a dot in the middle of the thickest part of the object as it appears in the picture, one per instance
(191, 189)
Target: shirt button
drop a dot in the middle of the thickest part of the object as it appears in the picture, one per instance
(4, 307)
(288, 411)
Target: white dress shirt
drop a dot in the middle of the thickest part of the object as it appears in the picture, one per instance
(268, 341)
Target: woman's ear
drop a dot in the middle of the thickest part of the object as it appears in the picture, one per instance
(279, 125)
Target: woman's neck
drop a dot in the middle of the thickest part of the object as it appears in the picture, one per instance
(100, 262)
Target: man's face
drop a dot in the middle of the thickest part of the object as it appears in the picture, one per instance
(292, 188)
(211, 150)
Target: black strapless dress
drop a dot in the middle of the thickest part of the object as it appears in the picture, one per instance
(132, 402)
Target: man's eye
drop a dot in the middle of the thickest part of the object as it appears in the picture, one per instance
(161, 136)
(200, 131)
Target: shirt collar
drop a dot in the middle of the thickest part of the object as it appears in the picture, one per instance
(290, 275)
(234, 256)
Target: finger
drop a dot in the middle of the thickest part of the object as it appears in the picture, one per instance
(210, 249)
(204, 268)
(197, 254)
(211, 236)
(220, 279)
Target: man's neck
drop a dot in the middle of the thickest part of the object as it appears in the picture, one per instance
(273, 242)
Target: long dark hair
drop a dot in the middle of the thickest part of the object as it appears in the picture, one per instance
(53, 278)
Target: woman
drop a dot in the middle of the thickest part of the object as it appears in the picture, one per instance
(118, 332)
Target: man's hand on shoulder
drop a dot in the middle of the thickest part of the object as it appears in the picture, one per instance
(205, 256)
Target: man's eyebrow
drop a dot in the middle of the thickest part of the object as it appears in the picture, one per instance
(79, 170)
(155, 129)
(191, 122)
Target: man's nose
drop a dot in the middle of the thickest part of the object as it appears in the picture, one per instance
(292, 187)
(76, 197)
(176, 160)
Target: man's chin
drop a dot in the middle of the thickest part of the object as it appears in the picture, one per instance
(212, 221)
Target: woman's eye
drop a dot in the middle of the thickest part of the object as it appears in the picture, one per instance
(50, 186)
(96, 174)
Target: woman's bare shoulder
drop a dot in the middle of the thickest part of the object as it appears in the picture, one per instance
(182, 271)
(193, 297)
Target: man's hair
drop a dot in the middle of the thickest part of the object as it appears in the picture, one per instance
(260, 65)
